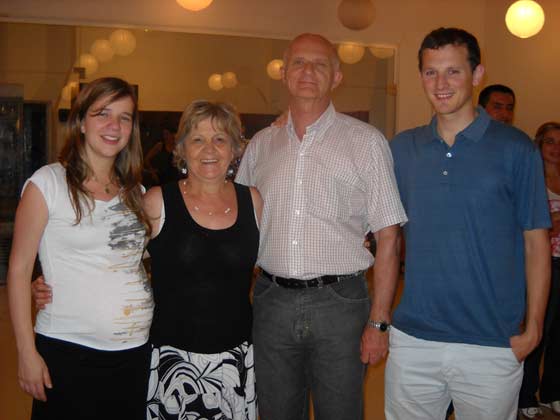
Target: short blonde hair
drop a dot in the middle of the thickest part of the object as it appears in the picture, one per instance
(222, 114)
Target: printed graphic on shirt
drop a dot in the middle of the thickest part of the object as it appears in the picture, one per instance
(127, 238)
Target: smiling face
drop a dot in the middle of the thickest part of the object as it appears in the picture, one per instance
(107, 127)
(448, 80)
(208, 151)
(311, 69)
(551, 147)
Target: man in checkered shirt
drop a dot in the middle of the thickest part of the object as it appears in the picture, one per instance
(326, 179)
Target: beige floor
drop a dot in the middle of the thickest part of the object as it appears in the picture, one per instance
(15, 405)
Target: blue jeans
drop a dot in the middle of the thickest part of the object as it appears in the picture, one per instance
(309, 340)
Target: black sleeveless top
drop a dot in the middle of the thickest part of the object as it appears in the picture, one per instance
(201, 277)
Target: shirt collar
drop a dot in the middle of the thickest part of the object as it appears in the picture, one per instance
(474, 131)
(322, 122)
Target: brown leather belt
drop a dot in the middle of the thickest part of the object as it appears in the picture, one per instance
(320, 281)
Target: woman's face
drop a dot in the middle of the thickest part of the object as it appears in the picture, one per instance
(107, 127)
(208, 151)
(551, 147)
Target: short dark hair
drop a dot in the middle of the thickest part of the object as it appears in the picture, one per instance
(451, 36)
(484, 96)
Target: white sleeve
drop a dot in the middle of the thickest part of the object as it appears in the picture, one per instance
(46, 181)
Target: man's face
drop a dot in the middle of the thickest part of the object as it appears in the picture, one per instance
(448, 80)
(310, 71)
(500, 107)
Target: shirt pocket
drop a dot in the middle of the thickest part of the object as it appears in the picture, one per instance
(332, 196)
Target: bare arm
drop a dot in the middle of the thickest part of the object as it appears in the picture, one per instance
(375, 344)
(537, 268)
(30, 222)
(153, 203)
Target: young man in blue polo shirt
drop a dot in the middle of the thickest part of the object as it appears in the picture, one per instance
(477, 245)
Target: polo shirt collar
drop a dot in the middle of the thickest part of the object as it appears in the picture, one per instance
(474, 131)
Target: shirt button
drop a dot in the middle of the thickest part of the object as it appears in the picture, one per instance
(299, 182)
(294, 242)
(445, 173)
(297, 212)
(301, 153)
(449, 154)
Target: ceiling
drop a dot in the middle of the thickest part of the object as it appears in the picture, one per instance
(280, 19)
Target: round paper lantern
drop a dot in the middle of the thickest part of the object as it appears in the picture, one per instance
(350, 53)
(88, 62)
(382, 52)
(525, 18)
(356, 14)
(102, 50)
(273, 69)
(229, 79)
(215, 82)
(123, 42)
(194, 5)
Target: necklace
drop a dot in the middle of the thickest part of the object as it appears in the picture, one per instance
(196, 208)
(105, 186)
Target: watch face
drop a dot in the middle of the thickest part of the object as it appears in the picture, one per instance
(383, 326)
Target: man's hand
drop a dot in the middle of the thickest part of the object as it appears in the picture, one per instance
(523, 344)
(374, 345)
(41, 292)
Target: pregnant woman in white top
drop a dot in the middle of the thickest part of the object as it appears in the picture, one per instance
(89, 358)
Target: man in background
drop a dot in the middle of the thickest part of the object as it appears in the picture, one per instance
(499, 102)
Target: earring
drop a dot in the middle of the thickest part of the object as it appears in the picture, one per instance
(230, 171)
(184, 171)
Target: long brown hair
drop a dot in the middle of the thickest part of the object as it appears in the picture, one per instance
(127, 167)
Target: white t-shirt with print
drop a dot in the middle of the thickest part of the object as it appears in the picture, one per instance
(101, 297)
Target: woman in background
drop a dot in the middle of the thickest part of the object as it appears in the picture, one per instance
(203, 248)
(84, 218)
(548, 141)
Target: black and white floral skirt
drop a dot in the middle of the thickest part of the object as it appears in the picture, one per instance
(193, 386)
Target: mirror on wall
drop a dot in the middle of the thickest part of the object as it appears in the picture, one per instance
(49, 62)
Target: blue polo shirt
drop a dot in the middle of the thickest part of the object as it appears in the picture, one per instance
(468, 206)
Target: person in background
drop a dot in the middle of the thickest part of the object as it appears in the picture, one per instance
(499, 102)
(159, 159)
(326, 179)
(548, 141)
(89, 358)
(203, 247)
(478, 253)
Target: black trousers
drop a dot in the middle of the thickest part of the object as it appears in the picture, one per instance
(550, 345)
(90, 384)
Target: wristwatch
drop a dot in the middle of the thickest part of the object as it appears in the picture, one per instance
(382, 326)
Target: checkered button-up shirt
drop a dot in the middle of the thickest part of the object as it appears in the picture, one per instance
(321, 194)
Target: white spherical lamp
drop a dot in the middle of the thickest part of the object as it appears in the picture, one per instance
(273, 69)
(102, 50)
(123, 42)
(350, 53)
(356, 14)
(194, 5)
(525, 18)
(89, 63)
(215, 82)
(382, 52)
(229, 79)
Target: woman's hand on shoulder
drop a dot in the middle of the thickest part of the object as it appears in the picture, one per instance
(257, 203)
(153, 203)
(33, 374)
